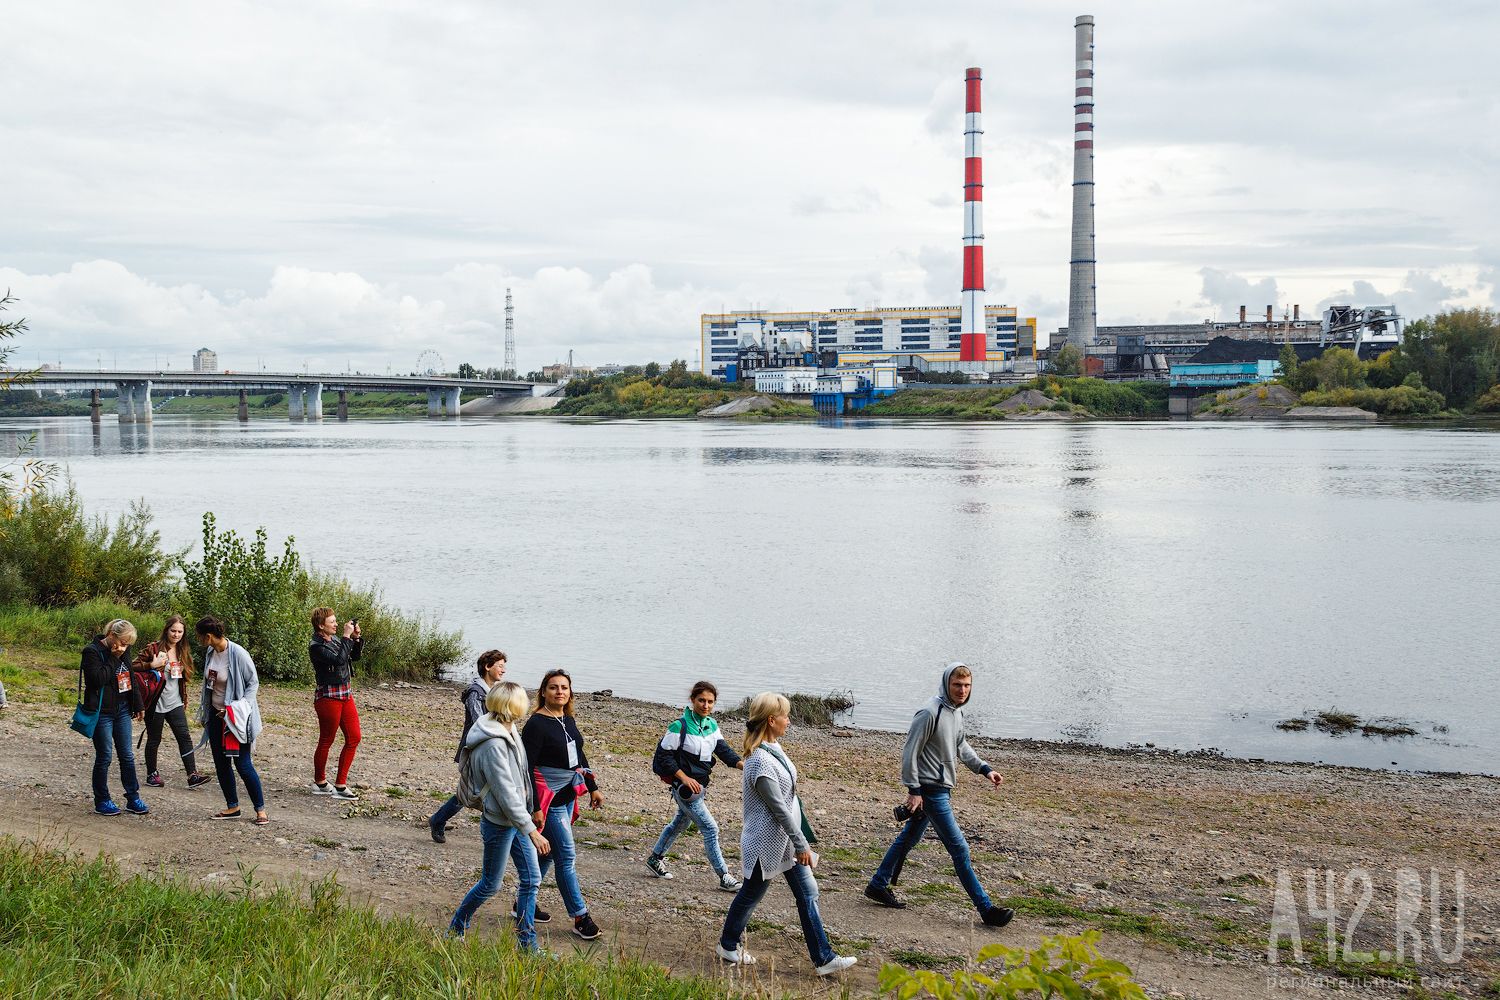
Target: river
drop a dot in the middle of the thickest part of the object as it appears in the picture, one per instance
(1183, 585)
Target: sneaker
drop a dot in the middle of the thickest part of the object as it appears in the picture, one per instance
(998, 916)
(585, 927)
(737, 957)
(656, 866)
(728, 883)
(322, 788)
(540, 916)
(344, 792)
(195, 779)
(107, 808)
(154, 780)
(836, 964)
(436, 829)
(135, 805)
(883, 895)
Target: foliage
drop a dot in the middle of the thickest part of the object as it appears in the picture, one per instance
(1457, 353)
(22, 475)
(1062, 965)
(1109, 399)
(71, 627)
(962, 404)
(1288, 364)
(71, 926)
(807, 709)
(675, 393)
(1490, 401)
(30, 403)
(466, 370)
(258, 597)
(53, 555)
(652, 370)
(1402, 400)
(397, 645)
(1069, 361)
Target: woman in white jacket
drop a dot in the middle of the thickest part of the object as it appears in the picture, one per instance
(497, 760)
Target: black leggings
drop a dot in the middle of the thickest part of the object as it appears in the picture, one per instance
(177, 719)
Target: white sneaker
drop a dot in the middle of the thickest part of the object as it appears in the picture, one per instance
(324, 789)
(837, 964)
(728, 883)
(344, 792)
(739, 956)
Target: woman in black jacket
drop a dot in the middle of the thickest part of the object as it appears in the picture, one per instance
(333, 659)
(106, 686)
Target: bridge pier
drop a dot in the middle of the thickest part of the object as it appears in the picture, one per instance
(452, 401)
(244, 413)
(294, 404)
(124, 402)
(343, 410)
(434, 402)
(314, 395)
(94, 407)
(142, 399)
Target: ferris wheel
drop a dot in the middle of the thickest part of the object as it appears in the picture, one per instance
(430, 362)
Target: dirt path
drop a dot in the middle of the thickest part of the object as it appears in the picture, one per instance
(1175, 859)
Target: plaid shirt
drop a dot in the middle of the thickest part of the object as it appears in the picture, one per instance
(339, 692)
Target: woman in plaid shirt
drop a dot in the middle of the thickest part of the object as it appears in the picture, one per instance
(332, 658)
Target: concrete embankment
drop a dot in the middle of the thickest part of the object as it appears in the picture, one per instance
(495, 406)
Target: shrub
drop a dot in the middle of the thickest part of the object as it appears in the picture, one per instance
(807, 709)
(273, 399)
(1401, 400)
(1062, 965)
(1490, 401)
(397, 645)
(73, 627)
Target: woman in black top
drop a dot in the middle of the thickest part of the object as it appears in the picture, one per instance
(554, 746)
(107, 687)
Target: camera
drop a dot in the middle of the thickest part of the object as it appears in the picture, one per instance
(904, 812)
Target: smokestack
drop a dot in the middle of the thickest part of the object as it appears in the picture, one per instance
(1296, 311)
(1269, 318)
(1242, 314)
(1082, 310)
(971, 333)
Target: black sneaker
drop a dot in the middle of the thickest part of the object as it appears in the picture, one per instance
(998, 916)
(883, 895)
(438, 837)
(540, 916)
(195, 779)
(585, 927)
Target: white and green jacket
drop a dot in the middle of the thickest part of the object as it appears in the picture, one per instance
(690, 745)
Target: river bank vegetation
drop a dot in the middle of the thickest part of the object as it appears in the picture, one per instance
(1078, 397)
(673, 392)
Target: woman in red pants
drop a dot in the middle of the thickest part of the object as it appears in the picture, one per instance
(332, 659)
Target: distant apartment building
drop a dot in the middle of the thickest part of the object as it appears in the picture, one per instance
(205, 360)
(562, 372)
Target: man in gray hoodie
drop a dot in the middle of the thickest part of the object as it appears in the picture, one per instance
(936, 738)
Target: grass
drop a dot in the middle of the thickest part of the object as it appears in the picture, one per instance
(807, 709)
(70, 628)
(1109, 918)
(61, 921)
(914, 959)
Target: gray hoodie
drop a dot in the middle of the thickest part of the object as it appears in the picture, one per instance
(473, 699)
(496, 751)
(935, 739)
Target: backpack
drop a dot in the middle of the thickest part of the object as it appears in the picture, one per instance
(671, 779)
(471, 785)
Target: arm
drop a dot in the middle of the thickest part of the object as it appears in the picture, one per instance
(769, 792)
(324, 657)
(252, 676)
(727, 754)
(356, 647)
(145, 656)
(916, 739)
(970, 759)
(506, 787)
(96, 672)
(583, 762)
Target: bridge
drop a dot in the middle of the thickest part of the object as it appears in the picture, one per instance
(304, 392)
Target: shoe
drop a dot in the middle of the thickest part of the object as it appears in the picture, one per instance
(836, 964)
(436, 830)
(154, 780)
(322, 788)
(883, 895)
(107, 808)
(226, 814)
(344, 792)
(737, 957)
(585, 927)
(539, 916)
(656, 866)
(998, 916)
(728, 883)
(135, 805)
(261, 819)
(195, 779)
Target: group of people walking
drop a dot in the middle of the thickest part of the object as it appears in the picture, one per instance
(525, 768)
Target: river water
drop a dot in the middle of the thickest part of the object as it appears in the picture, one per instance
(1184, 585)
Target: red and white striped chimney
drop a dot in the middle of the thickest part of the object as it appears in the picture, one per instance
(971, 340)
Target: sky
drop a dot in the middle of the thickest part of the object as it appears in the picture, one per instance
(344, 185)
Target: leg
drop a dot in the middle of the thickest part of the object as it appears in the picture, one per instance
(805, 889)
(709, 827)
(946, 827)
(741, 908)
(895, 856)
(670, 832)
(529, 877)
(177, 719)
(445, 812)
(154, 720)
(496, 844)
(104, 747)
(126, 753)
(349, 725)
(559, 834)
(223, 770)
(246, 767)
(327, 710)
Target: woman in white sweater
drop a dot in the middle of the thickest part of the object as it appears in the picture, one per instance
(497, 763)
(772, 842)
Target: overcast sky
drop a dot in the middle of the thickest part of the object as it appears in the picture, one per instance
(345, 184)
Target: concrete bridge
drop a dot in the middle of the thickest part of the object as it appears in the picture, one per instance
(304, 393)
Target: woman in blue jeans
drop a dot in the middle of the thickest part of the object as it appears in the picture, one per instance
(497, 759)
(229, 713)
(561, 771)
(772, 842)
(107, 687)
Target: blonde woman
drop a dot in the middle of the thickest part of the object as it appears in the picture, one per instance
(497, 758)
(105, 673)
(772, 842)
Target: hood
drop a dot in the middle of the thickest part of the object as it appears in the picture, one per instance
(487, 727)
(943, 684)
(477, 684)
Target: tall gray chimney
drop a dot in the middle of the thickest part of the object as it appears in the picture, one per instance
(1082, 308)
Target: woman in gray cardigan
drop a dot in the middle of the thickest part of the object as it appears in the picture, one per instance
(497, 761)
(772, 842)
(230, 715)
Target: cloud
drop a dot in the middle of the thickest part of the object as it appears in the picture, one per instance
(1419, 294)
(1226, 292)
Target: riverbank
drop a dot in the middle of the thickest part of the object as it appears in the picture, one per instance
(1174, 858)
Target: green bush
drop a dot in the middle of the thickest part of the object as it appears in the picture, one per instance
(397, 645)
(1062, 965)
(1401, 400)
(1110, 399)
(72, 627)
(1490, 401)
(53, 555)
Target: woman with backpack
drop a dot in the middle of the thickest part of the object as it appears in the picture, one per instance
(497, 763)
(161, 673)
(685, 759)
(104, 676)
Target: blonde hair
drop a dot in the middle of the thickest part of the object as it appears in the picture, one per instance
(120, 629)
(507, 701)
(762, 707)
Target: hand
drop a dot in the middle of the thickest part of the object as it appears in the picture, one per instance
(595, 799)
(138, 716)
(740, 765)
(540, 842)
(914, 803)
(348, 629)
(804, 858)
(357, 633)
(995, 778)
(693, 786)
(158, 661)
(538, 819)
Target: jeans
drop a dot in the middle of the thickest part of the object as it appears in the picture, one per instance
(335, 715)
(498, 842)
(938, 810)
(111, 736)
(445, 812)
(804, 888)
(559, 833)
(693, 812)
(225, 770)
(177, 720)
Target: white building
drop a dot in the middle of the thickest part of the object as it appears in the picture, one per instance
(786, 381)
(205, 360)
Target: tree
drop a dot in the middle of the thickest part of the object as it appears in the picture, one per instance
(1287, 364)
(1457, 353)
(467, 370)
(1338, 368)
(652, 370)
(22, 475)
(1069, 361)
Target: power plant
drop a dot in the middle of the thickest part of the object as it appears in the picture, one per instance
(1082, 310)
(971, 309)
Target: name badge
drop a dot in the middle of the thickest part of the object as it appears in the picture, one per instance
(572, 754)
(122, 680)
(175, 671)
(707, 753)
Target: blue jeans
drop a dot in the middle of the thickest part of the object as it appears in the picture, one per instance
(693, 812)
(445, 812)
(225, 766)
(559, 833)
(111, 736)
(938, 810)
(804, 888)
(498, 842)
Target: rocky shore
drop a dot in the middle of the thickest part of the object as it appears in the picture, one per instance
(1175, 858)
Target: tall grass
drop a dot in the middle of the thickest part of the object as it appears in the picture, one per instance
(71, 627)
(75, 928)
(398, 645)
